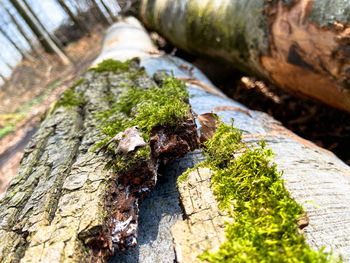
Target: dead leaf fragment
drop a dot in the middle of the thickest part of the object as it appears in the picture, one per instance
(209, 123)
(128, 140)
(200, 84)
(303, 221)
(232, 108)
(132, 138)
(116, 138)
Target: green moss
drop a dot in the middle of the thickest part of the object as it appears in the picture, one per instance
(69, 99)
(112, 65)
(156, 106)
(126, 161)
(183, 178)
(78, 82)
(6, 130)
(134, 75)
(248, 186)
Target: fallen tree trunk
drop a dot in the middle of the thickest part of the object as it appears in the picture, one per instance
(91, 164)
(63, 204)
(302, 46)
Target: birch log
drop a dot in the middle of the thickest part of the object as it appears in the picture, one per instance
(55, 208)
(302, 45)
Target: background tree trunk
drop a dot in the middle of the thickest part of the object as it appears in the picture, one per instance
(75, 19)
(102, 16)
(110, 13)
(20, 30)
(45, 41)
(23, 53)
(301, 45)
(57, 42)
(2, 77)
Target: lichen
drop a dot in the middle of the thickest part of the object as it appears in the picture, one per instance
(248, 186)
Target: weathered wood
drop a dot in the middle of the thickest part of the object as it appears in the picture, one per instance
(301, 45)
(54, 209)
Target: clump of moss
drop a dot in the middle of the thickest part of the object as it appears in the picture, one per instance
(112, 65)
(77, 82)
(251, 190)
(145, 108)
(70, 99)
(133, 75)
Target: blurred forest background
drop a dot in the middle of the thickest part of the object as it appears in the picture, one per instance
(45, 45)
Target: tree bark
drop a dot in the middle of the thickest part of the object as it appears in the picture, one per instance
(58, 207)
(48, 45)
(300, 45)
(75, 19)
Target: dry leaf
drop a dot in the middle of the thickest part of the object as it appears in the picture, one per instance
(209, 123)
(132, 138)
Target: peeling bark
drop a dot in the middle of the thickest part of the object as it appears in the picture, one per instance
(301, 45)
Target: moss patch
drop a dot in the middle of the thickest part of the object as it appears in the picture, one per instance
(78, 82)
(112, 65)
(145, 108)
(69, 99)
(248, 186)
